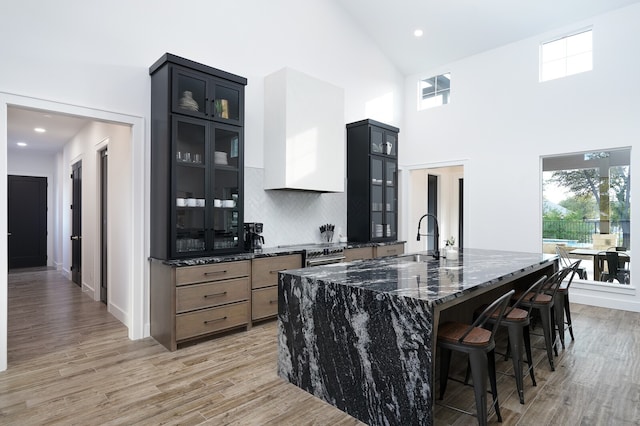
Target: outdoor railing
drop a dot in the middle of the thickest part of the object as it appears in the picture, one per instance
(581, 231)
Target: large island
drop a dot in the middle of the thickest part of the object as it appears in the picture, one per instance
(361, 335)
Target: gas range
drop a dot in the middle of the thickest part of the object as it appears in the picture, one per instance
(320, 253)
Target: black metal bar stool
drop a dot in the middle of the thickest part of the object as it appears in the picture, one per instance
(517, 321)
(478, 343)
(561, 303)
(544, 302)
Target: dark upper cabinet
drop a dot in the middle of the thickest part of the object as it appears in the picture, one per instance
(197, 159)
(372, 181)
(205, 96)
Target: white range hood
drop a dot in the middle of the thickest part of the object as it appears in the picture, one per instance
(304, 133)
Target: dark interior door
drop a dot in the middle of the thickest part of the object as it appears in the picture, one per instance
(103, 226)
(27, 214)
(76, 227)
(432, 208)
(460, 213)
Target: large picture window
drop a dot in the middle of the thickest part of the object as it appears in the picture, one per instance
(586, 211)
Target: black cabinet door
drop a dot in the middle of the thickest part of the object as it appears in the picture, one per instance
(189, 178)
(226, 187)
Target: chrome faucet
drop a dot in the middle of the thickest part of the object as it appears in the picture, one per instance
(436, 236)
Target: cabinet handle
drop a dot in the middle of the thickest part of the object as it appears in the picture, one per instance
(224, 293)
(215, 272)
(271, 302)
(215, 320)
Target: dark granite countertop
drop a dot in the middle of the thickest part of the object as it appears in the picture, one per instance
(435, 281)
(266, 252)
(350, 245)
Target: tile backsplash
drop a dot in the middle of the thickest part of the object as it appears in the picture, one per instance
(291, 217)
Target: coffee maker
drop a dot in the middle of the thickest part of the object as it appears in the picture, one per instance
(253, 239)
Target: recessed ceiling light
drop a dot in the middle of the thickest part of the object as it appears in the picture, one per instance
(418, 33)
(21, 144)
(40, 130)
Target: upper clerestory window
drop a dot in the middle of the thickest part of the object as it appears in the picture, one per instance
(565, 56)
(434, 91)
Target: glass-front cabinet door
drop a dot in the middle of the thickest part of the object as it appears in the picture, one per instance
(227, 102)
(384, 198)
(377, 197)
(226, 184)
(190, 93)
(382, 142)
(391, 199)
(189, 233)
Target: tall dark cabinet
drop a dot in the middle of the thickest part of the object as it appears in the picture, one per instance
(197, 150)
(372, 181)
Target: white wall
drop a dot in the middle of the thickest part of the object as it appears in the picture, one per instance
(95, 57)
(85, 146)
(43, 164)
(502, 120)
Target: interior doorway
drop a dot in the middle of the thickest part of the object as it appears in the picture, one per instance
(129, 221)
(27, 221)
(439, 191)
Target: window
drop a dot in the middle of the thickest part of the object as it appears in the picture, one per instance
(566, 56)
(434, 91)
(587, 205)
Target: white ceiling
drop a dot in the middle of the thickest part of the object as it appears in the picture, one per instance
(454, 29)
(59, 128)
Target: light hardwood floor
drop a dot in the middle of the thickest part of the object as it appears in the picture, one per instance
(70, 362)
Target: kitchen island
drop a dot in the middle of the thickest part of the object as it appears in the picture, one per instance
(361, 335)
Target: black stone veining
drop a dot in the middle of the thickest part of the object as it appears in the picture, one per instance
(359, 335)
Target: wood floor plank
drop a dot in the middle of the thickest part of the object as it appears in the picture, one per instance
(71, 362)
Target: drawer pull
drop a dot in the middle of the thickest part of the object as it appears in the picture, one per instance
(215, 320)
(271, 302)
(224, 293)
(215, 272)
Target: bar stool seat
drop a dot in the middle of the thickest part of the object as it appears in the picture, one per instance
(479, 344)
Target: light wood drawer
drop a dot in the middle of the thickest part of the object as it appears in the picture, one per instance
(198, 296)
(264, 302)
(206, 321)
(213, 272)
(390, 250)
(360, 253)
(264, 271)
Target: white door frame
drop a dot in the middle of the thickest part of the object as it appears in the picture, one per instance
(140, 162)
